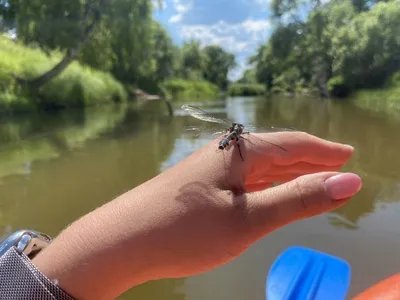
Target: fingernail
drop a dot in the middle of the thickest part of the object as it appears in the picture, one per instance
(343, 185)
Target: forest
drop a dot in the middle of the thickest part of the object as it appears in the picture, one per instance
(338, 47)
(68, 53)
(76, 53)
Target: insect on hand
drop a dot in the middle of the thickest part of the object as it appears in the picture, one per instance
(232, 130)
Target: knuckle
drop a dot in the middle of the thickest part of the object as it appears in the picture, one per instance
(300, 193)
(304, 135)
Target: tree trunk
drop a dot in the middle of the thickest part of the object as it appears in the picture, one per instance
(71, 54)
(49, 75)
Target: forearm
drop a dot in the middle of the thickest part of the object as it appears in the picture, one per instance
(105, 252)
(137, 237)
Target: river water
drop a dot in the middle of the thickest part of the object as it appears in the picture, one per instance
(54, 168)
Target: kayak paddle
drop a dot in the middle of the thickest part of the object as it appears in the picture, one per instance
(306, 274)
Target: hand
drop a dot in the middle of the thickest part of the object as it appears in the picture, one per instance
(201, 213)
(220, 205)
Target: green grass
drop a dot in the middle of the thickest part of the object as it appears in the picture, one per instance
(250, 89)
(77, 86)
(180, 89)
(387, 100)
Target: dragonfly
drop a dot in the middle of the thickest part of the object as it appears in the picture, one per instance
(233, 131)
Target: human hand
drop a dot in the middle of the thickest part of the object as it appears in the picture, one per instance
(218, 205)
(199, 214)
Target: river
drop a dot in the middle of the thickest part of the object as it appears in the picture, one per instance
(54, 168)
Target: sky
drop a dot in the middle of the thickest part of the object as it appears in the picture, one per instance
(239, 26)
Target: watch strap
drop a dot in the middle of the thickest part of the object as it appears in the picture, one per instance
(20, 279)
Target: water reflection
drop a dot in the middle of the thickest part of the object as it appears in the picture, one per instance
(28, 139)
(162, 289)
(94, 164)
(372, 134)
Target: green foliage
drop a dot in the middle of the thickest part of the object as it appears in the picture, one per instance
(339, 46)
(366, 51)
(384, 100)
(77, 86)
(193, 61)
(119, 37)
(246, 89)
(337, 87)
(394, 80)
(249, 76)
(180, 89)
(217, 65)
(210, 63)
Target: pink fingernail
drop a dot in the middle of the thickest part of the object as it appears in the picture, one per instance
(343, 185)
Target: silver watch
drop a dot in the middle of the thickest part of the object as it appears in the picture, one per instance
(25, 241)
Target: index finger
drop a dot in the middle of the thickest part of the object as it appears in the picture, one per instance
(300, 146)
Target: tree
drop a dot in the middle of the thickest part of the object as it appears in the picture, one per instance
(366, 50)
(335, 39)
(193, 60)
(217, 65)
(249, 76)
(68, 26)
(89, 19)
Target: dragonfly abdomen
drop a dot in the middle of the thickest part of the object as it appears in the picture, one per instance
(225, 142)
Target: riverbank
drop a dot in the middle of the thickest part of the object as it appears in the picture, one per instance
(384, 100)
(180, 89)
(77, 86)
(246, 89)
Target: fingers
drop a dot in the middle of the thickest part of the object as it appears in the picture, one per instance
(290, 173)
(303, 168)
(274, 173)
(301, 146)
(301, 198)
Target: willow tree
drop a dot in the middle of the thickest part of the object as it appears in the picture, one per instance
(69, 26)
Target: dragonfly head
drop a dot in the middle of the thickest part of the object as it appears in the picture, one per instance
(239, 127)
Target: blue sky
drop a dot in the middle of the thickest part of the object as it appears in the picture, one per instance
(238, 26)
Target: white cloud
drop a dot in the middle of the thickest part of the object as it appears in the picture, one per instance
(181, 9)
(255, 25)
(242, 39)
(175, 18)
(156, 4)
(264, 4)
(232, 37)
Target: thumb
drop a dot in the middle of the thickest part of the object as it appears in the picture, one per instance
(301, 198)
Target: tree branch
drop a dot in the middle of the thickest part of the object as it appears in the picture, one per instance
(72, 53)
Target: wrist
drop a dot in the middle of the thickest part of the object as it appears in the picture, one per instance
(99, 256)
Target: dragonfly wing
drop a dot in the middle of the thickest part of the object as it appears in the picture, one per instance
(260, 129)
(265, 146)
(271, 148)
(203, 115)
(202, 131)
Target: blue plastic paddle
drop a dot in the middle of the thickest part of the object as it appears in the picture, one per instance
(306, 274)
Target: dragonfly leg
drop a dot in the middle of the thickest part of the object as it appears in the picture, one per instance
(263, 142)
(238, 145)
(248, 140)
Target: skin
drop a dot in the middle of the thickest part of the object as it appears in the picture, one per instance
(199, 214)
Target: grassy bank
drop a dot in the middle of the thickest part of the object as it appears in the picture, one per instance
(180, 89)
(246, 89)
(77, 86)
(387, 100)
